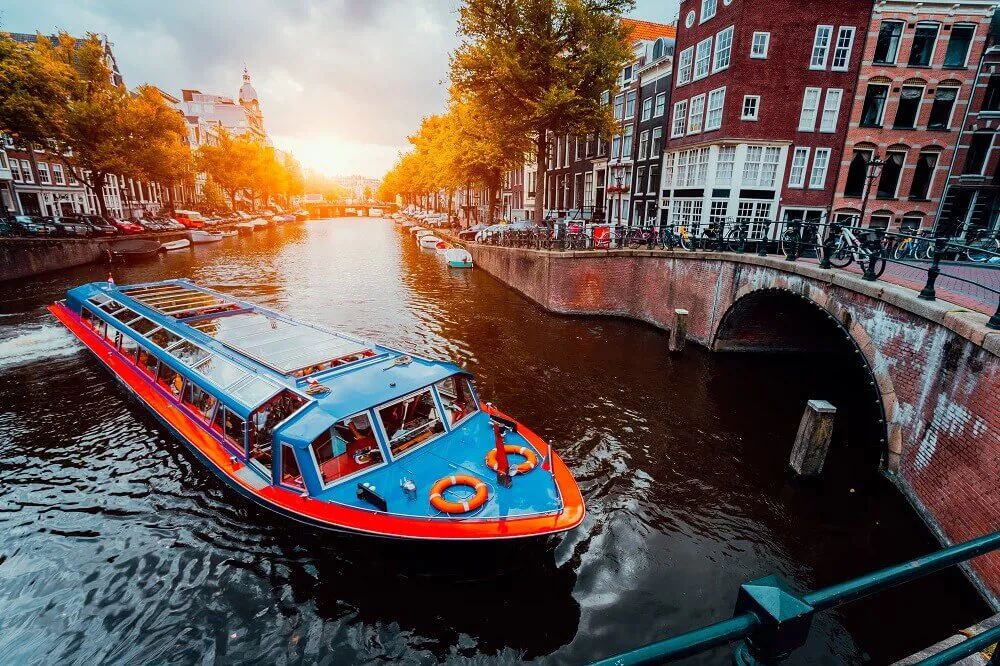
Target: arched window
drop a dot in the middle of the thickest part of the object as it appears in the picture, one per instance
(658, 48)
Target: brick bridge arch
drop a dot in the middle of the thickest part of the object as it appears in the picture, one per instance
(936, 365)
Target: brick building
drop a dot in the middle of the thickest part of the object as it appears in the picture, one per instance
(651, 132)
(756, 122)
(913, 90)
(41, 183)
(971, 202)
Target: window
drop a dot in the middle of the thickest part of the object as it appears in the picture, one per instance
(821, 161)
(797, 173)
(923, 173)
(233, 428)
(703, 56)
(750, 107)
(857, 174)
(627, 73)
(26, 171)
(708, 9)
(910, 223)
(680, 119)
(842, 51)
(723, 49)
(347, 448)
(717, 212)
(643, 145)
(879, 221)
(686, 212)
(659, 48)
(874, 106)
(627, 143)
(147, 362)
(457, 397)
(170, 379)
(619, 106)
(668, 171)
(810, 107)
(290, 474)
(888, 182)
(57, 174)
(654, 180)
(909, 107)
(410, 422)
(944, 102)
(200, 401)
(657, 143)
(15, 172)
(991, 100)
(831, 110)
(128, 347)
(887, 46)
(630, 105)
(761, 166)
(821, 47)
(640, 179)
(684, 66)
(759, 45)
(696, 114)
(616, 147)
(979, 148)
(579, 148)
(661, 105)
(716, 100)
(958, 45)
(43, 173)
(923, 44)
(647, 108)
(724, 165)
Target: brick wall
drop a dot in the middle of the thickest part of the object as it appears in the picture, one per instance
(936, 366)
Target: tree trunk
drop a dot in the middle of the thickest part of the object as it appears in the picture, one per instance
(99, 180)
(541, 157)
(170, 199)
(492, 210)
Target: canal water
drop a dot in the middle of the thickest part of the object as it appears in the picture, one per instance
(119, 547)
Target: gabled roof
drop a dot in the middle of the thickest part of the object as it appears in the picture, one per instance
(649, 30)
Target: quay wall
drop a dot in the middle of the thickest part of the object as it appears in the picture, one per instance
(22, 257)
(936, 365)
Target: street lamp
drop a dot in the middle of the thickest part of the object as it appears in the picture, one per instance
(874, 167)
(618, 187)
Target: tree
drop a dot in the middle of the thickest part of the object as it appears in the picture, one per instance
(227, 160)
(32, 86)
(156, 135)
(211, 196)
(540, 67)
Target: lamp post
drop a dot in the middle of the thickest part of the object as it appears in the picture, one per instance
(874, 167)
(618, 188)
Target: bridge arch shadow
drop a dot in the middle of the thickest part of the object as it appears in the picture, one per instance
(781, 320)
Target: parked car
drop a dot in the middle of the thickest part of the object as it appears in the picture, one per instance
(26, 225)
(99, 226)
(191, 219)
(470, 233)
(70, 227)
(150, 224)
(170, 224)
(5, 229)
(127, 227)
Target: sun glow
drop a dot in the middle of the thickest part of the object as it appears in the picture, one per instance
(333, 155)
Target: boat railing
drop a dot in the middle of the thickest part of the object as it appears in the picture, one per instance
(772, 619)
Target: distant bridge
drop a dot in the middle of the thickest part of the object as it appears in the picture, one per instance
(344, 209)
(933, 366)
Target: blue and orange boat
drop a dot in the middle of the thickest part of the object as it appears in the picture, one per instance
(322, 427)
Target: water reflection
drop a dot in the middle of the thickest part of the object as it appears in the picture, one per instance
(122, 548)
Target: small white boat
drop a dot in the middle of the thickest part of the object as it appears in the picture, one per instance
(281, 219)
(179, 244)
(244, 227)
(198, 237)
(228, 233)
(259, 223)
(458, 258)
(416, 230)
(429, 241)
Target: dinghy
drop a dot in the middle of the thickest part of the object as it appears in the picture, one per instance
(458, 257)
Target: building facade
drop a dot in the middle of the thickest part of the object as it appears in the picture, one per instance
(41, 183)
(913, 92)
(651, 131)
(756, 112)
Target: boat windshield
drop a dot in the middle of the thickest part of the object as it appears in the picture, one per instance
(411, 421)
(457, 397)
(348, 447)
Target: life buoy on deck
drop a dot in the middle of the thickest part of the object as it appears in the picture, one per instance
(447, 506)
(530, 459)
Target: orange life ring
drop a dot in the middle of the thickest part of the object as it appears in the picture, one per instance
(447, 506)
(531, 460)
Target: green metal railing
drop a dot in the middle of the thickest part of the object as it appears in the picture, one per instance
(772, 620)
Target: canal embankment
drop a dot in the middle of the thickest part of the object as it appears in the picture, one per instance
(934, 365)
(24, 257)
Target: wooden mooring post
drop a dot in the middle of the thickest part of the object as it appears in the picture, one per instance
(813, 439)
(678, 332)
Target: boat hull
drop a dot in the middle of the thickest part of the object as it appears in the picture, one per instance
(315, 513)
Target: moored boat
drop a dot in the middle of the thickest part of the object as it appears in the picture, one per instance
(244, 227)
(458, 257)
(134, 249)
(199, 237)
(429, 241)
(228, 233)
(321, 427)
(179, 244)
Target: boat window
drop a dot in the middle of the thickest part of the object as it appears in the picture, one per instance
(128, 347)
(252, 391)
(219, 371)
(234, 428)
(290, 474)
(124, 315)
(98, 300)
(189, 354)
(265, 418)
(457, 397)
(411, 421)
(100, 326)
(142, 326)
(200, 400)
(219, 419)
(346, 448)
(88, 317)
(163, 338)
(110, 306)
(147, 362)
(170, 379)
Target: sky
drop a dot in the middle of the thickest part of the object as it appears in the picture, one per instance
(341, 83)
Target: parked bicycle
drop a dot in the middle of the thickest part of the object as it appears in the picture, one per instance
(848, 248)
(983, 249)
(636, 237)
(914, 247)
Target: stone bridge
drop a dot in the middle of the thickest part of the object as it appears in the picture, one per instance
(933, 366)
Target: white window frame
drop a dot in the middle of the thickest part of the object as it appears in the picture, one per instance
(825, 167)
(643, 145)
(760, 55)
(680, 108)
(720, 93)
(834, 110)
(730, 160)
(26, 173)
(58, 176)
(720, 38)
(707, 59)
(44, 177)
(647, 109)
(654, 137)
(705, 14)
(798, 180)
(660, 106)
(807, 123)
(630, 96)
(839, 50)
(821, 30)
(685, 66)
(756, 108)
(696, 102)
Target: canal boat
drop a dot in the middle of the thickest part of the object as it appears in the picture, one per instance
(134, 249)
(321, 427)
(429, 241)
(179, 244)
(200, 237)
(458, 257)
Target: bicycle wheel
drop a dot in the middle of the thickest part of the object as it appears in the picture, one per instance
(789, 241)
(880, 264)
(977, 254)
(903, 251)
(734, 240)
(687, 242)
(840, 256)
(633, 240)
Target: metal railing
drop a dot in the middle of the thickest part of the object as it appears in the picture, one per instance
(772, 620)
(917, 259)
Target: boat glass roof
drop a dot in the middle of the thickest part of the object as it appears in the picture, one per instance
(179, 300)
